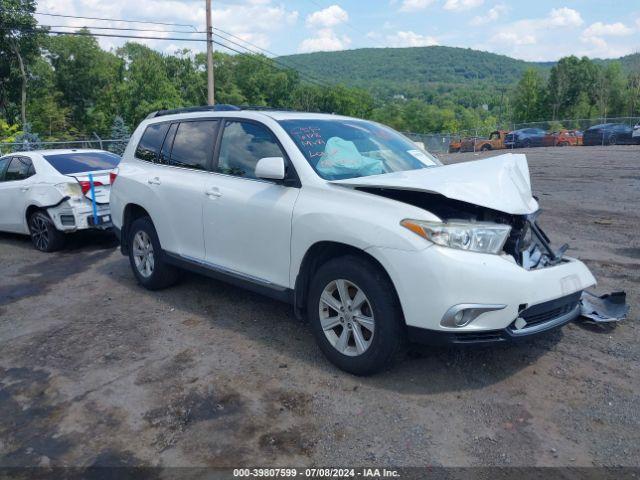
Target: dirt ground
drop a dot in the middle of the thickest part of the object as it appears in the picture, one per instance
(95, 370)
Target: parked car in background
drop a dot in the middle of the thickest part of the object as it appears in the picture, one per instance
(368, 236)
(563, 138)
(525, 138)
(454, 145)
(609, 134)
(636, 133)
(494, 142)
(49, 193)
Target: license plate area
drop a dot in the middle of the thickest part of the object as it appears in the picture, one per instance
(99, 220)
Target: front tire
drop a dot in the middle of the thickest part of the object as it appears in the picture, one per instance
(44, 234)
(146, 257)
(355, 315)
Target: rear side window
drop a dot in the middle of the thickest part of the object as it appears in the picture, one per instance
(4, 162)
(20, 168)
(193, 144)
(80, 162)
(151, 142)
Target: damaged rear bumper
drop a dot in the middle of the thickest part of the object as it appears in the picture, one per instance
(70, 216)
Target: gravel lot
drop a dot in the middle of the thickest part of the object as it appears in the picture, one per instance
(94, 370)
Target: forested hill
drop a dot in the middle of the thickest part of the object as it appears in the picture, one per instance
(396, 67)
(409, 70)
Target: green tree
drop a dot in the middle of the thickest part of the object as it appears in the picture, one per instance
(528, 98)
(19, 45)
(121, 133)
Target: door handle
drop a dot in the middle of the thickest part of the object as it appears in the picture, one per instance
(25, 189)
(154, 181)
(213, 192)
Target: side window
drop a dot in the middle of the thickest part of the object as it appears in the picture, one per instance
(20, 168)
(151, 141)
(165, 153)
(243, 144)
(193, 144)
(4, 162)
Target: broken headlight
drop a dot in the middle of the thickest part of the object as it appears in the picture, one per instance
(482, 237)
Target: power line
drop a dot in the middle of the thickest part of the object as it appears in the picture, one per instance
(283, 64)
(118, 28)
(115, 20)
(148, 37)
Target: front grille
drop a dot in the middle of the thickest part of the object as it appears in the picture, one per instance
(548, 311)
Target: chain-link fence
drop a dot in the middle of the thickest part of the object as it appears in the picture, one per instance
(112, 145)
(550, 133)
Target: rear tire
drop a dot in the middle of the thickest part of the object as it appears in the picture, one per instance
(485, 148)
(146, 257)
(374, 329)
(612, 140)
(44, 234)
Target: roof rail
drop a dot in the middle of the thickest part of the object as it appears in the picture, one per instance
(219, 107)
(265, 108)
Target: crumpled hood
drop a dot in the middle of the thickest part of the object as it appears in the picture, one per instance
(501, 183)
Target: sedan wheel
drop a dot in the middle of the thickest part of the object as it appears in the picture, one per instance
(346, 317)
(39, 232)
(143, 254)
(44, 235)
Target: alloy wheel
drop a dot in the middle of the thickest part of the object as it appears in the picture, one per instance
(346, 317)
(143, 254)
(39, 232)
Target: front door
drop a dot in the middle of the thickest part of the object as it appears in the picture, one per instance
(14, 191)
(247, 221)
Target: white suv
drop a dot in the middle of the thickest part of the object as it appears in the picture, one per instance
(369, 236)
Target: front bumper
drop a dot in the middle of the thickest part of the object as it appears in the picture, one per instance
(431, 281)
(539, 319)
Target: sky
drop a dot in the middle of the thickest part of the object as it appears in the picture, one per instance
(543, 30)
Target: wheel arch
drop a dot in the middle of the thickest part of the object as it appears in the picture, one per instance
(131, 212)
(318, 254)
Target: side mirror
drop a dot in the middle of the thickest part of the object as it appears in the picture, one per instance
(271, 168)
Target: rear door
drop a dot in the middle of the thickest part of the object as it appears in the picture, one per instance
(178, 180)
(247, 221)
(14, 192)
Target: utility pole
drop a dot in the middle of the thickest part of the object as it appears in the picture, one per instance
(210, 96)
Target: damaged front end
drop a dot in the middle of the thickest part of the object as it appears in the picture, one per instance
(527, 243)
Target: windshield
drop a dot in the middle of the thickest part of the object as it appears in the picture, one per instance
(339, 149)
(80, 162)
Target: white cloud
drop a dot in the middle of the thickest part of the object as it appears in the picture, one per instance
(328, 17)
(410, 39)
(565, 17)
(325, 40)
(607, 29)
(514, 38)
(462, 5)
(493, 14)
(414, 5)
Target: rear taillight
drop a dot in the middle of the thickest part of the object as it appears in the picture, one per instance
(112, 176)
(86, 186)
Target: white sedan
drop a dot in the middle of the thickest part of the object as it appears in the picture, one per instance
(48, 193)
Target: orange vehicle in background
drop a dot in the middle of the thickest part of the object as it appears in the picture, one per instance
(563, 138)
(454, 145)
(494, 142)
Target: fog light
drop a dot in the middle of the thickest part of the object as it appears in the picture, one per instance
(463, 314)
